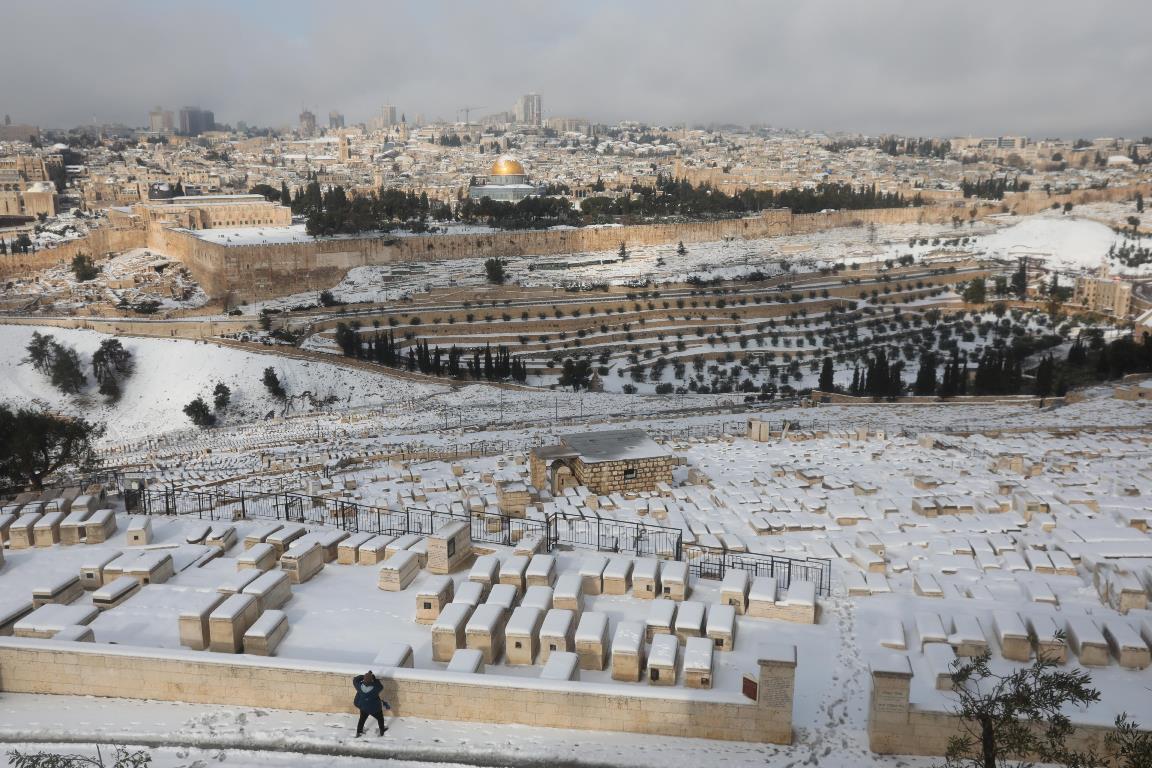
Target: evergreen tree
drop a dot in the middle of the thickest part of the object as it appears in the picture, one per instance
(272, 383)
(926, 375)
(285, 194)
(199, 412)
(622, 253)
(83, 268)
(680, 249)
(65, 372)
(221, 396)
(1077, 355)
(827, 377)
(494, 270)
(40, 350)
(974, 292)
(1044, 377)
(1020, 280)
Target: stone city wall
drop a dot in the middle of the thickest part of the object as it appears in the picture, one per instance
(257, 271)
(98, 244)
(48, 667)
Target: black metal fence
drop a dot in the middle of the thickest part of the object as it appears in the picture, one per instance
(603, 534)
(606, 535)
(709, 564)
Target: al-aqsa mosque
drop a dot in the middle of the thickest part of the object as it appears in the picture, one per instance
(507, 181)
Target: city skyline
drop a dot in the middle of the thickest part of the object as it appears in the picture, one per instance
(893, 67)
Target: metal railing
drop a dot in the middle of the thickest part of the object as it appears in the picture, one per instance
(603, 534)
(710, 564)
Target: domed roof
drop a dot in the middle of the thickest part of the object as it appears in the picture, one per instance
(507, 166)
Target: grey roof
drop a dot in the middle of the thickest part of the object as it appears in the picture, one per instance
(614, 445)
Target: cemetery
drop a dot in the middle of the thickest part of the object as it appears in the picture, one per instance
(729, 584)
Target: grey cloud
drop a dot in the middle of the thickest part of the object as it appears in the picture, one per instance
(979, 67)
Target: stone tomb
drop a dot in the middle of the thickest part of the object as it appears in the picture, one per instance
(272, 590)
(394, 655)
(592, 574)
(266, 633)
(100, 527)
(46, 531)
(734, 590)
(646, 578)
(660, 619)
(592, 641)
(92, 569)
(557, 633)
(504, 597)
(47, 620)
(674, 580)
(485, 572)
(259, 557)
(436, 592)
(689, 620)
(449, 630)
(229, 621)
(541, 571)
(485, 631)
(449, 548)
(467, 660)
(617, 576)
(698, 663)
(399, 570)
(662, 660)
(346, 550)
(721, 627)
(373, 551)
(302, 562)
(115, 592)
(195, 607)
(561, 666)
(140, 531)
(513, 571)
(61, 588)
(628, 651)
(521, 636)
(569, 593)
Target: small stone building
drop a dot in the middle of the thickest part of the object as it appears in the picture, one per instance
(605, 462)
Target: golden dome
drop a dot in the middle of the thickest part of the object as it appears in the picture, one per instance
(507, 166)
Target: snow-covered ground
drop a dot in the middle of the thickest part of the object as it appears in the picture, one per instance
(239, 737)
(1066, 242)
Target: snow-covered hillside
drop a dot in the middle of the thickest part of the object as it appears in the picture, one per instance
(170, 373)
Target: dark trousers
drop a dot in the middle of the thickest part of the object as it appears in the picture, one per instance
(378, 714)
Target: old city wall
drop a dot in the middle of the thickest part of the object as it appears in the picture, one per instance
(98, 244)
(36, 666)
(262, 270)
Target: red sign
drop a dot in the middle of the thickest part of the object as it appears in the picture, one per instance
(751, 687)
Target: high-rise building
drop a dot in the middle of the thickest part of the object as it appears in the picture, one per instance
(195, 121)
(528, 110)
(335, 120)
(307, 123)
(161, 121)
(388, 116)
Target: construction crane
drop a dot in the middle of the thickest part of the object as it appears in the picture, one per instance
(467, 112)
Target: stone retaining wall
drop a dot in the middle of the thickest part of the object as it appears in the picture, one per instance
(48, 667)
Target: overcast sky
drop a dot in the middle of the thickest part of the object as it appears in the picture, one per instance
(978, 67)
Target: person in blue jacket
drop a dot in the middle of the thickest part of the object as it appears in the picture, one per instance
(368, 701)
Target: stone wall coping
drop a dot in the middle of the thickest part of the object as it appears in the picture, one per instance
(708, 696)
(890, 663)
(777, 653)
